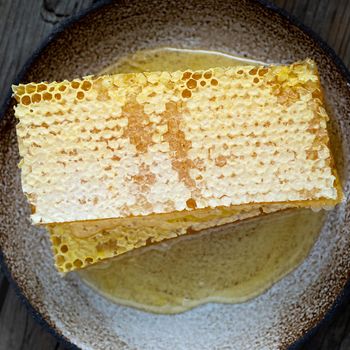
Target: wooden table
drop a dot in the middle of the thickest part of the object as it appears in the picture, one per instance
(24, 24)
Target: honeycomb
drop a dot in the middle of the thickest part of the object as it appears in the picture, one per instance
(129, 148)
(82, 243)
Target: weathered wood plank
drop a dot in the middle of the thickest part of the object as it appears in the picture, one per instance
(24, 24)
(4, 287)
(330, 19)
(334, 336)
(18, 330)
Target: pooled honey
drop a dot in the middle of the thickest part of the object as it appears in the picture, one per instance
(169, 59)
(229, 264)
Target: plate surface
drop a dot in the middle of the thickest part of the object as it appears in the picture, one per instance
(273, 320)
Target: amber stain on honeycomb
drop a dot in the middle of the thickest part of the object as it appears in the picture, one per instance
(77, 263)
(262, 71)
(36, 98)
(62, 88)
(75, 84)
(221, 161)
(60, 260)
(80, 95)
(178, 143)
(47, 96)
(145, 178)
(287, 87)
(86, 85)
(102, 90)
(139, 129)
(186, 93)
(191, 203)
(191, 84)
(208, 74)
(56, 240)
(186, 75)
(30, 88)
(25, 100)
(253, 71)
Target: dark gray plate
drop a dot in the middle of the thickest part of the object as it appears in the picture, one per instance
(88, 44)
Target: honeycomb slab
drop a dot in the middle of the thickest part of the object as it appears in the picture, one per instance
(143, 145)
(82, 243)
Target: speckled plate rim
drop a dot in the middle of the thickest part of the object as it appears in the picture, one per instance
(342, 297)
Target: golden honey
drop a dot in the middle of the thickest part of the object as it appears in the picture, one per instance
(230, 264)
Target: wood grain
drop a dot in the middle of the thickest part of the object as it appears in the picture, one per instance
(23, 26)
(328, 18)
(18, 330)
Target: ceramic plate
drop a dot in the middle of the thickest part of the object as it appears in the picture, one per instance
(87, 44)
